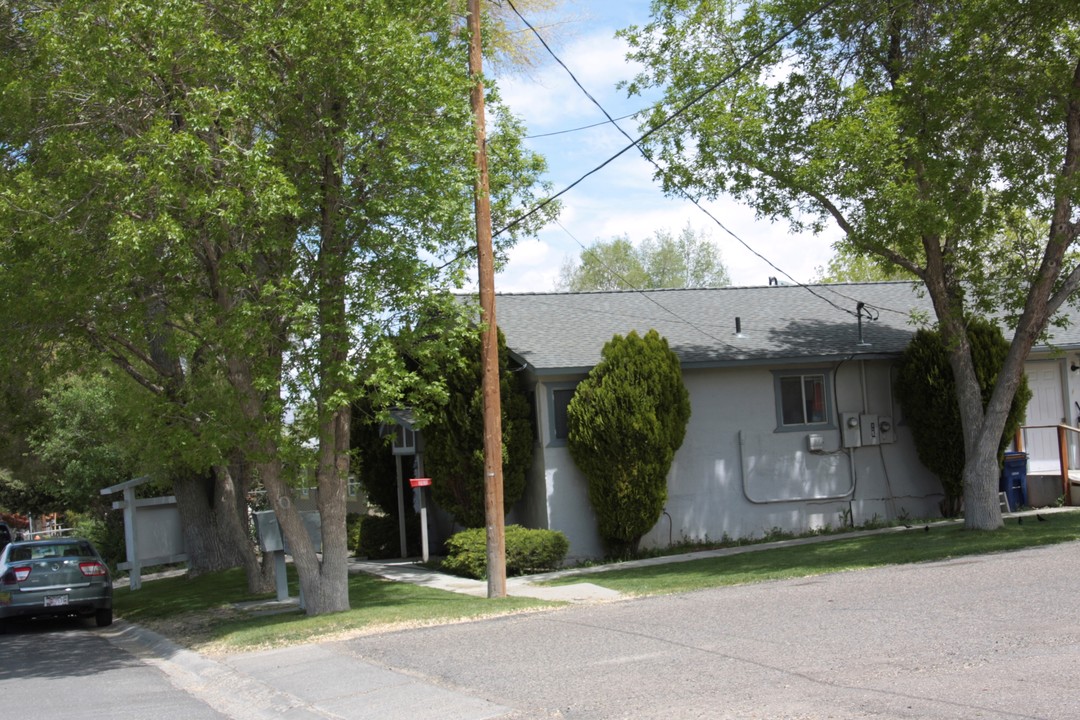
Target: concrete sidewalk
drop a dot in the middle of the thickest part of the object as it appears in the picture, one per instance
(305, 682)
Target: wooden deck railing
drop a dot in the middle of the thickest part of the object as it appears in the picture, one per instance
(1063, 450)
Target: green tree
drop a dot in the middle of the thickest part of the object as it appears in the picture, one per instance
(20, 413)
(454, 436)
(662, 261)
(625, 422)
(927, 391)
(80, 443)
(916, 128)
(513, 48)
(250, 195)
(846, 266)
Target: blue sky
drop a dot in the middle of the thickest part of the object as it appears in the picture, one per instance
(622, 198)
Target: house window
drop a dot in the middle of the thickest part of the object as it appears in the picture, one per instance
(802, 400)
(559, 397)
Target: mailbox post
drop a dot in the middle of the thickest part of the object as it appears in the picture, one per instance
(422, 483)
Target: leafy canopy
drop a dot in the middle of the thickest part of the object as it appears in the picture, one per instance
(242, 198)
(663, 261)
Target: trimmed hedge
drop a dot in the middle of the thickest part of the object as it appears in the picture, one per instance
(527, 550)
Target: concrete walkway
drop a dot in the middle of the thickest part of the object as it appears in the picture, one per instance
(408, 570)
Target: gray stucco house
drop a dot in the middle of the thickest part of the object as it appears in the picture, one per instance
(794, 424)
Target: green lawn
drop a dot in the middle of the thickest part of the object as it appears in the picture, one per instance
(941, 541)
(201, 613)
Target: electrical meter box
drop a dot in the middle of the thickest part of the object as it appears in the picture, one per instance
(887, 429)
(849, 430)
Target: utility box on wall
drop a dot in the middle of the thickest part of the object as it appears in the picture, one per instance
(858, 430)
(869, 430)
(849, 430)
(887, 429)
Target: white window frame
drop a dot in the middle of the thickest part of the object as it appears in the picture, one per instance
(556, 408)
(825, 376)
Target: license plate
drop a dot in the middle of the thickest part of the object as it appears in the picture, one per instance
(56, 600)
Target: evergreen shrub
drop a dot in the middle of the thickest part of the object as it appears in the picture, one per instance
(626, 420)
(926, 389)
(380, 538)
(527, 550)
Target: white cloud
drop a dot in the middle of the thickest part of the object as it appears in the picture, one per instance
(622, 198)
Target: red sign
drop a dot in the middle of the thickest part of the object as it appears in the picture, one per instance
(419, 482)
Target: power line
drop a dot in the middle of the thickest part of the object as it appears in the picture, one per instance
(637, 143)
(679, 112)
(578, 129)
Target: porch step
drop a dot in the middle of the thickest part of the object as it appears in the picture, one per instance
(1044, 487)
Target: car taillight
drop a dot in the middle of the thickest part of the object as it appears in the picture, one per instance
(92, 569)
(16, 575)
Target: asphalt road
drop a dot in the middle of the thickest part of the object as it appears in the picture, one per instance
(68, 670)
(994, 636)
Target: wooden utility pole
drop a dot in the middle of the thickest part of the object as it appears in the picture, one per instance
(489, 346)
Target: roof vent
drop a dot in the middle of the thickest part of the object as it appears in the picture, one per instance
(738, 327)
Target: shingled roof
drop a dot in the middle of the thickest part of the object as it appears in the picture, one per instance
(567, 331)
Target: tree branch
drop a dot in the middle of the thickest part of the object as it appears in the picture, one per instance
(123, 362)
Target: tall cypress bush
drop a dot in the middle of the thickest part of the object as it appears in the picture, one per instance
(626, 420)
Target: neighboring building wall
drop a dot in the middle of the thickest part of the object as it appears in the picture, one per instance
(307, 500)
(557, 495)
(738, 474)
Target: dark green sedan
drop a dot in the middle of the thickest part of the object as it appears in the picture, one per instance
(59, 577)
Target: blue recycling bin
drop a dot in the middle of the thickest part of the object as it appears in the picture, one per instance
(1014, 479)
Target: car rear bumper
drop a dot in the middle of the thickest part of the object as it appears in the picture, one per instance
(83, 601)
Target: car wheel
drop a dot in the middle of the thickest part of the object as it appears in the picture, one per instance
(103, 617)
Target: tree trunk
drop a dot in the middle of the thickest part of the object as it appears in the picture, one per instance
(233, 516)
(982, 511)
(208, 544)
(324, 585)
(333, 482)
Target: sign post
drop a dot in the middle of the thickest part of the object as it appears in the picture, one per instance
(422, 483)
